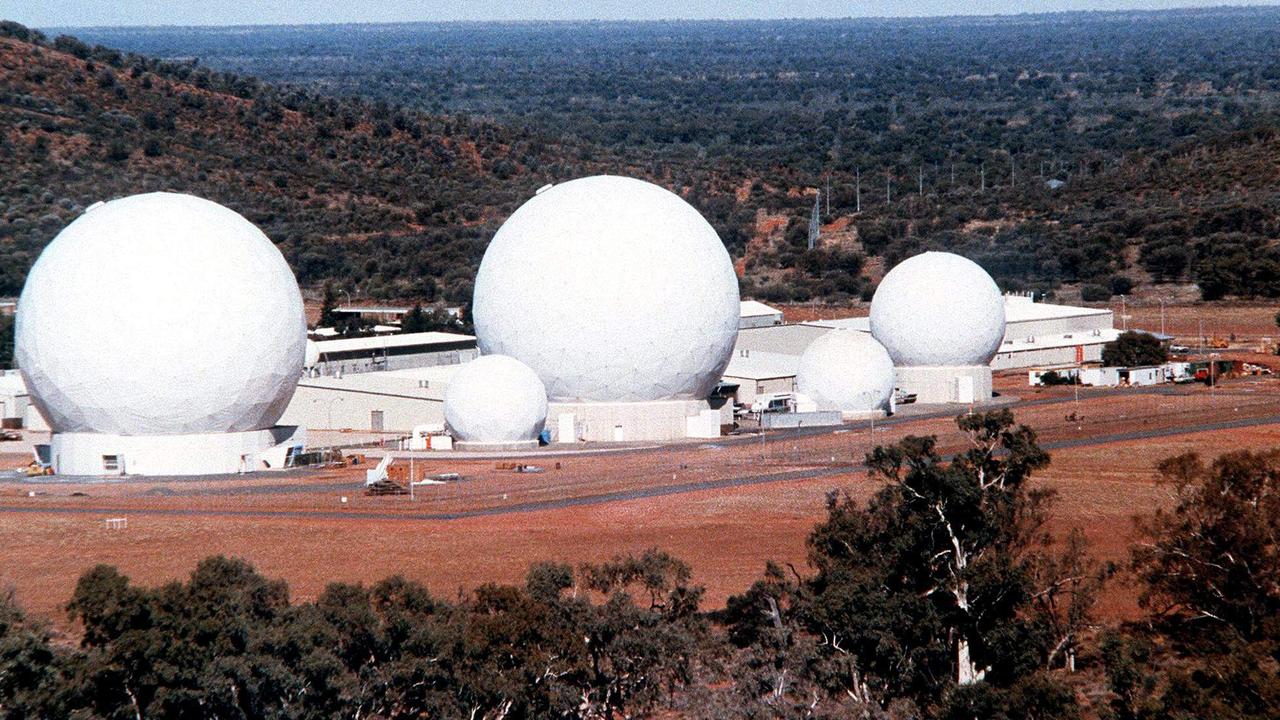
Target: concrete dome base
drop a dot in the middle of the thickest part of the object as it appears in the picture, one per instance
(945, 384)
(856, 415)
(651, 421)
(102, 454)
(511, 446)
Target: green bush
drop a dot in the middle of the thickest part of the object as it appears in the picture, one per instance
(1089, 292)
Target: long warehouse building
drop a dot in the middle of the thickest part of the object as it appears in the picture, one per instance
(766, 359)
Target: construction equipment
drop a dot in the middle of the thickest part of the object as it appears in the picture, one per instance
(378, 474)
(35, 469)
(384, 487)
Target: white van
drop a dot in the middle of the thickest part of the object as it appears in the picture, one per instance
(773, 402)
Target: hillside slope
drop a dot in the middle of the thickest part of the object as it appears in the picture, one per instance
(391, 202)
(394, 203)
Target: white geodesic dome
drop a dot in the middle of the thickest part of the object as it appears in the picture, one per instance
(160, 314)
(846, 370)
(938, 309)
(495, 399)
(612, 290)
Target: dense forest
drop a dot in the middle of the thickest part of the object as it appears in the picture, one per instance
(940, 597)
(940, 133)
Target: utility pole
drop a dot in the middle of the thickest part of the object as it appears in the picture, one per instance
(857, 193)
(815, 221)
(983, 174)
(921, 180)
(828, 196)
(888, 192)
(953, 174)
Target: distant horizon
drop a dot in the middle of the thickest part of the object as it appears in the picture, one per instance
(81, 14)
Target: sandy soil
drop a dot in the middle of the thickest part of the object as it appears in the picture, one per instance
(726, 507)
(1247, 322)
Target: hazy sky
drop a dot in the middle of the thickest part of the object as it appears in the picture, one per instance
(70, 13)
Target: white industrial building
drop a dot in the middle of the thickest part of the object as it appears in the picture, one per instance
(14, 399)
(392, 401)
(758, 372)
(767, 359)
(113, 336)
(941, 318)
(496, 403)
(1035, 335)
(623, 300)
(388, 352)
(1043, 334)
(753, 313)
(847, 371)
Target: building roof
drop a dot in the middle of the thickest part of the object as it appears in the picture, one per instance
(861, 324)
(784, 339)
(1017, 308)
(424, 382)
(379, 342)
(1048, 342)
(759, 365)
(373, 309)
(1020, 308)
(11, 383)
(755, 308)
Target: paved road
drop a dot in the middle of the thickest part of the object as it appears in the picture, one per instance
(663, 491)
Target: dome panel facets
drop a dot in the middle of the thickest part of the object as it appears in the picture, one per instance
(495, 399)
(612, 290)
(938, 309)
(160, 314)
(846, 370)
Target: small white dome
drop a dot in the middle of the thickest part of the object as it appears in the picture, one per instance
(160, 314)
(938, 309)
(611, 289)
(495, 399)
(846, 370)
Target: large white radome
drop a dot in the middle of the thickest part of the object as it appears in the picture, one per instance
(161, 314)
(846, 370)
(938, 309)
(495, 399)
(612, 290)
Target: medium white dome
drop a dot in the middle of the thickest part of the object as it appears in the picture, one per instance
(160, 314)
(495, 399)
(611, 289)
(938, 309)
(846, 370)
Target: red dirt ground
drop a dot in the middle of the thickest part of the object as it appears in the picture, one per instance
(294, 526)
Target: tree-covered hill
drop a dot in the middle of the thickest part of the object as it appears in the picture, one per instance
(1157, 131)
(390, 201)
